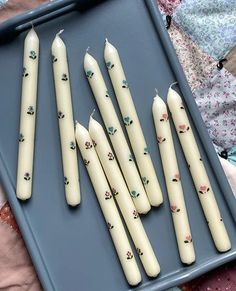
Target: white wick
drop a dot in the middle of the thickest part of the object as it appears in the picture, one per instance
(175, 83)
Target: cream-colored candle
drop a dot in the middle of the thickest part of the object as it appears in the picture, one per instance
(108, 206)
(132, 124)
(28, 116)
(66, 122)
(124, 201)
(173, 182)
(198, 172)
(116, 134)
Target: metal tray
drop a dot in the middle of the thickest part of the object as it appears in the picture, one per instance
(71, 248)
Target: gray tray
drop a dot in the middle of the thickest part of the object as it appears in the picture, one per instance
(71, 248)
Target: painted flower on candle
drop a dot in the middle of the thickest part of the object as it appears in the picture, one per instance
(164, 117)
(129, 255)
(27, 176)
(64, 77)
(88, 145)
(125, 84)
(21, 137)
(188, 239)
(183, 128)
(134, 194)
(135, 214)
(203, 189)
(107, 94)
(176, 178)
(60, 115)
(110, 156)
(114, 191)
(161, 139)
(128, 121)
(174, 209)
(30, 110)
(110, 65)
(145, 180)
(108, 195)
(86, 162)
(25, 74)
(111, 130)
(72, 145)
(140, 253)
(110, 226)
(89, 74)
(131, 158)
(145, 151)
(66, 181)
(32, 55)
(54, 59)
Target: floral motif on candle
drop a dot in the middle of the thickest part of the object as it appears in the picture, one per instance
(30, 110)
(33, 55)
(183, 128)
(176, 178)
(64, 77)
(86, 162)
(135, 214)
(145, 180)
(54, 59)
(108, 195)
(89, 74)
(25, 74)
(60, 115)
(109, 65)
(88, 145)
(188, 239)
(140, 253)
(125, 84)
(94, 143)
(161, 139)
(129, 255)
(110, 226)
(174, 209)
(131, 158)
(203, 189)
(21, 137)
(66, 181)
(127, 121)
(134, 194)
(111, 130)
(72, 145)
(164, 117)
(114, 191)
(107, 94)
(145, 151)
(110, 156)
(27, 176)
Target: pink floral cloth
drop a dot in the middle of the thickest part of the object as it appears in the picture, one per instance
(168, 6)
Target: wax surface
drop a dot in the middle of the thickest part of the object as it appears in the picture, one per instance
(66, 122)
(198, 172)
(124, 201)
(108, 206)
(132, 124)
(27, 116)
(173, 181)
(116, 134)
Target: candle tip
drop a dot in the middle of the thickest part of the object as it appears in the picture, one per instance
(175, 83)
(106, 40)
(87, 49)
(60, 32)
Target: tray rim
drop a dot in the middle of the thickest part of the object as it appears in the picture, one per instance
(8, 184)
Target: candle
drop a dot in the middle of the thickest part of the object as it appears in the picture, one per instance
(108, 206)
(27, 116)
(198, 172)
(116, 134)
(65, 120)
(173, 182)
(124, 201)
(132, 124)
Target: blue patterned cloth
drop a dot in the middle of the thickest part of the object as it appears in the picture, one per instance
(211, 23)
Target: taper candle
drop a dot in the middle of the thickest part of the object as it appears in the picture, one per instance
(198, 172)
(124, 201)
(173, 182)
(132, 124)
(108, 206)
(28, 116)
(65, 120)
(116, 134)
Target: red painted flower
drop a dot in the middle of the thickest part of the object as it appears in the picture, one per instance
(108, 195)
(164, 117)
(203, 189)
(188, 239)
(174, 209)
(114, 191)
(160, 139)
(183, 128)
(176, 178)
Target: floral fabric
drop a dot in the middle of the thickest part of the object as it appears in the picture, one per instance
(168, 6)
(211, 23)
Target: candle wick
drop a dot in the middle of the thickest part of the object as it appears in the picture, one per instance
(88, 48)
(156, 90)
(32, 25)
(91, 115)
(106, 40)
(60, 32)
(175, 83)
